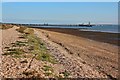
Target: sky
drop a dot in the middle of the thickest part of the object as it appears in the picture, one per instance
(0, 11)
(60, 0)
(60, 12)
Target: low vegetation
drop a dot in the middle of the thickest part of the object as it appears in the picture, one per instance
(31, 44)
(48, 70)
(21, 29)
(5, 26)
(34, 44)
(19, 43)
(66, 74)
(14, 52)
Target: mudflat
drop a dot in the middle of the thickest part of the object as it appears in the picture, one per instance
(105, 37)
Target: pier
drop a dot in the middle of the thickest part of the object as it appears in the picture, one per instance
(36, 25)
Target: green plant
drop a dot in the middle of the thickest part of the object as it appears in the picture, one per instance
(48, 70)
(5, 26)
(66, 73)
(14, 52)
(29, 31)
(19, 44)
(33, 44)
(46, 57)
(23, 36)
(21, 29)
(48, 73)
(39, 48)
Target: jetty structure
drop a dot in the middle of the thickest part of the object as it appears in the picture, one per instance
(46, 24)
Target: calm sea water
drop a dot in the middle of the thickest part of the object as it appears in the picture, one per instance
(105, 28)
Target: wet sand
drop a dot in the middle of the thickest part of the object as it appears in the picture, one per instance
(105, 37)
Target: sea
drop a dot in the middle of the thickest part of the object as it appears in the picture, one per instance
(104, 28)
(98, 28)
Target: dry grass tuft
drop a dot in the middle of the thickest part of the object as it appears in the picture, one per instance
(5, 26)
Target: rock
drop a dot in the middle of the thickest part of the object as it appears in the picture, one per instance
(61, 75)
(24, 61)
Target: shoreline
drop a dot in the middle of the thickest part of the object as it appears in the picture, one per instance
(105, 37)
(83, 28)
(101, 31)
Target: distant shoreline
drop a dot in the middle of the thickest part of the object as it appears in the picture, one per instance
(81, 29)
(101, 31)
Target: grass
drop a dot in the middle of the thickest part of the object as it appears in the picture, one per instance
(23, 36)
(14, 52)
(5, 26)
(34, 44)
(48, 70)
(39, 48)
(21, 29)
(66, 73)
(46, 57)
(48, 73)
(19, 44)
(29, 31)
